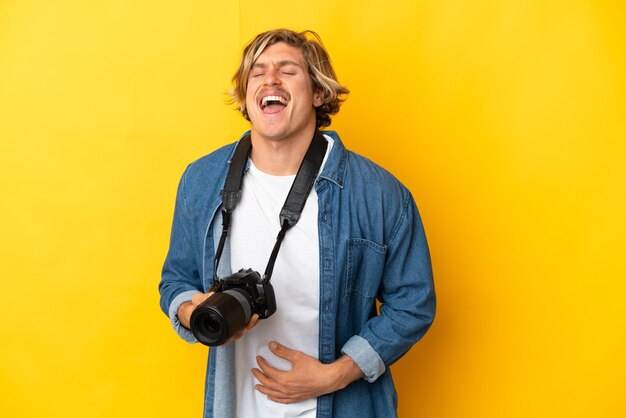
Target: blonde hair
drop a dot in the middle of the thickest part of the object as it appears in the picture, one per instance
(318, 66)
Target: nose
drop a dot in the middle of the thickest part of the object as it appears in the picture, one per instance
(271, 77)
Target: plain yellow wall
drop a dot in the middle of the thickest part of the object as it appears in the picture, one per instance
(506, 119)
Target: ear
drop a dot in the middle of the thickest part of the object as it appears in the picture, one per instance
(318, 99)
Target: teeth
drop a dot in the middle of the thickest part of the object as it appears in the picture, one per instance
(278, 99)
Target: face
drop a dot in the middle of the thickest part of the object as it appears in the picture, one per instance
(280, 100)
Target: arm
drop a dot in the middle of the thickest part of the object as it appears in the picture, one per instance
(180, 280)
(407, 298)
(181, 286)
(186, 309)
(308, 377)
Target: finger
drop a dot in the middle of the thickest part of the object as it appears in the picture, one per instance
(234, 338)
(265, 381)
(253, 321)
(274, 395)
(282, 400)
(251, 324)
(198, 298)
(268, 370)
(238, 335)
(282, 351)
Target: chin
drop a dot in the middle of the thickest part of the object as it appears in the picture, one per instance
(279, 136)
(270, 131)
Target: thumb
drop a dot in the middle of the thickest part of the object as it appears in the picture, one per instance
(198, 298)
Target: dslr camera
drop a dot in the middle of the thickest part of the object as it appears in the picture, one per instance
(225, 313)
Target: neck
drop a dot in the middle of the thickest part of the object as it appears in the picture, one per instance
(279, 157)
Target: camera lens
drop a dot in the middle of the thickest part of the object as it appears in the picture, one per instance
(210, 326)
(221, 316)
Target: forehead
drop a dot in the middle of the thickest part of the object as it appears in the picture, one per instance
(280, 52)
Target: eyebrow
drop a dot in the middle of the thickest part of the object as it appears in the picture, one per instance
(281, 64)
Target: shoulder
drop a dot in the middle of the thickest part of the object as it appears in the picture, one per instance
(209, 163)
(204, 178)
(357, 173)
(365, 176)
(373, 202)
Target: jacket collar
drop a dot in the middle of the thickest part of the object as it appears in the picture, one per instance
(335, 166)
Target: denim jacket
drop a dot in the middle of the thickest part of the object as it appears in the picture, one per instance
(372, 247)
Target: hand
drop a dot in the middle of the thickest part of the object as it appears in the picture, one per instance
(251, 323)
(186, 309)
(308, 377)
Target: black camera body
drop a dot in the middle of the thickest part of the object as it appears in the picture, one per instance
(225, 313)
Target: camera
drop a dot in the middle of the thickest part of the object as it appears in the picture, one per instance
(225, 313)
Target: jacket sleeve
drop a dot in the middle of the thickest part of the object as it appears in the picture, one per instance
(180, 278)
(407, 297)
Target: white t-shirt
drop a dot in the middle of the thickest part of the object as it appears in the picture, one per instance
(255, 225)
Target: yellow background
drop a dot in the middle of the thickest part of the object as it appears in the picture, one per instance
(506, 119)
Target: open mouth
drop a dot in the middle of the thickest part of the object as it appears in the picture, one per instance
(273, 103)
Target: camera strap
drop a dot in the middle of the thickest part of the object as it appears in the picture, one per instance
(294, 204)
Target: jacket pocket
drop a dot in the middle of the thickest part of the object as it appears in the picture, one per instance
(366, 261)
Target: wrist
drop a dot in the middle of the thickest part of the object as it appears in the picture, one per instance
(184, 314)
(345, 371)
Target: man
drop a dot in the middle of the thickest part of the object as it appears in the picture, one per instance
(326, 351)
